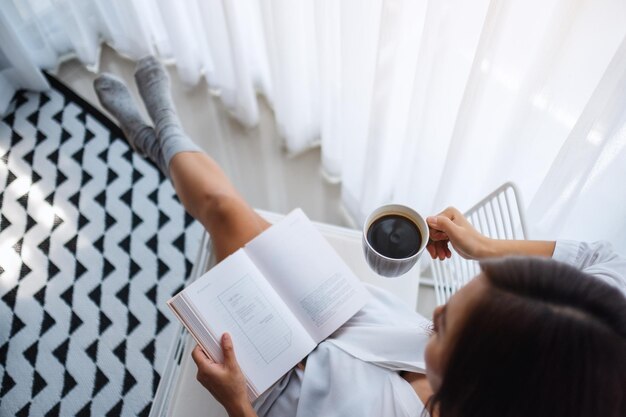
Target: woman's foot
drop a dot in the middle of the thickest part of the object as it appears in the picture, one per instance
(117, 100)
(153, 83)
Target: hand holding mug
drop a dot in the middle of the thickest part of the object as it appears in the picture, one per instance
(451, 227)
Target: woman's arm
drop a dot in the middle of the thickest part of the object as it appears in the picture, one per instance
(496, 248)
(224, 380)
(451, 227)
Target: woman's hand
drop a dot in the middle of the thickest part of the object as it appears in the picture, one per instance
(224, 380)
(451, 227)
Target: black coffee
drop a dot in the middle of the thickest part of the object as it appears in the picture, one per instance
(394, 236)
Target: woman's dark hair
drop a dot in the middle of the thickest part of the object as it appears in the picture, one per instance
(545, 340)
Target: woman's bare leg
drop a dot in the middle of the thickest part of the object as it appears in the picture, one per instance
(209, 196)
(201, 185)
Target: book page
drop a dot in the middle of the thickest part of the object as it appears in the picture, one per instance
(311, 278)
(234, 297)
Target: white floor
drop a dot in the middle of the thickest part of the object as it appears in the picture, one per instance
(253, 158)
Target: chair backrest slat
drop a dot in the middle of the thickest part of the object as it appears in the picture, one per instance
(500, 216)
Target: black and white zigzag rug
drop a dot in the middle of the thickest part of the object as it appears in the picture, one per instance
(92, 243)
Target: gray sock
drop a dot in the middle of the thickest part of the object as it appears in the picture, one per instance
(154, 87)
(115, 97)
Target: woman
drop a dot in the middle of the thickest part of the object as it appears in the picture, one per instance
(527, 336)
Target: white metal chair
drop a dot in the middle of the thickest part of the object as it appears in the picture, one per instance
(499, 216)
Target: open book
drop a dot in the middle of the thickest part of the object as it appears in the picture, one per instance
(278, 297)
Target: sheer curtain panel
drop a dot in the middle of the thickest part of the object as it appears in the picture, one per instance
(427, 103)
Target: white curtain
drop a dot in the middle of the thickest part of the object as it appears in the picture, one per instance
(428, 103)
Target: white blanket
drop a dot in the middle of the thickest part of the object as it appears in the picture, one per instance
(355, 371)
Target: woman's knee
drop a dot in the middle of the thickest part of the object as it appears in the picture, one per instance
(221, 209)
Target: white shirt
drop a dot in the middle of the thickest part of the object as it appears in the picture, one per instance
(597, 259)
(355, 371)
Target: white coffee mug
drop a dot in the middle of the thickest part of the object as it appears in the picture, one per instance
(393, 267)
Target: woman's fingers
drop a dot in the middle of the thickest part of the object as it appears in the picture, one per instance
(431, 249)
(438, 250)
(438, 235)
(229, 351)
(198, 355)
(441, 252)
(206, 365)
(200, 358)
